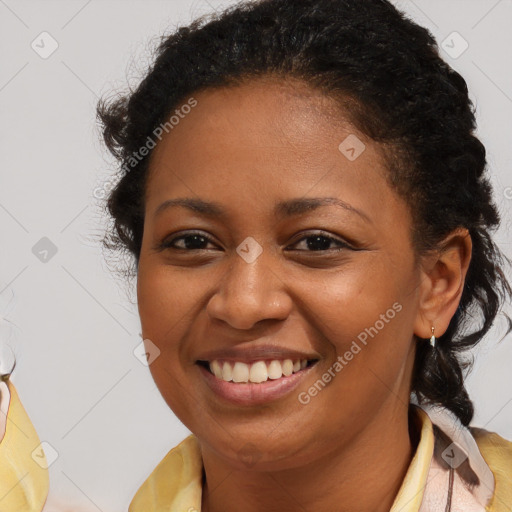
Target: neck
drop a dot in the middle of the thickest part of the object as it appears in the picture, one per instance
(363, 475)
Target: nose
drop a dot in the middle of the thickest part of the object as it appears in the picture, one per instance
(249, 293)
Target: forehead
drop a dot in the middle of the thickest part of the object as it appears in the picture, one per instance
(266, 139)
(266, 115)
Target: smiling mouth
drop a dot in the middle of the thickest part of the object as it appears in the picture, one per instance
(256, 372)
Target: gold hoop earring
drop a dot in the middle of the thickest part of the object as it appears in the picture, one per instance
(433, 339)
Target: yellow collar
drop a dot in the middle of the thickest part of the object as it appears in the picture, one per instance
(410, 494)
(23, 481)
(176, 483)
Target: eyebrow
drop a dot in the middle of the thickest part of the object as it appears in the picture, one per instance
(287, 208)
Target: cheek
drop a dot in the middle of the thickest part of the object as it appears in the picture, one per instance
(348, 301)
(365, 315)
(164, 299)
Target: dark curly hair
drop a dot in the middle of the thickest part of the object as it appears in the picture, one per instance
(387, 74)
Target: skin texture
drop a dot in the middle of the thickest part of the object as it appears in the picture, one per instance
(247, 148)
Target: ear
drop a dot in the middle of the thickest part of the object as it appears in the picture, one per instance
(443, 273)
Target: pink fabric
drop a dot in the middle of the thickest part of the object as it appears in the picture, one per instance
(455, 446)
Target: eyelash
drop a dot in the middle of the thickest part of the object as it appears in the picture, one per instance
(167, 244)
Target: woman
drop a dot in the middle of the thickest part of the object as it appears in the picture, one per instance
(309, 217)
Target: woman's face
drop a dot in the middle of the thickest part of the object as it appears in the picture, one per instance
(275, 273)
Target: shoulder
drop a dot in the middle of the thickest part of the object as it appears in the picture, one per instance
(21, 456)
(175, 482)
(497, 452)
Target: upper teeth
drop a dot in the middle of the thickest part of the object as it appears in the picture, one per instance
(260, 371)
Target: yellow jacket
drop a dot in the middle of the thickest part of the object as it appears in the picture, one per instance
(176, 483)
(24, 482)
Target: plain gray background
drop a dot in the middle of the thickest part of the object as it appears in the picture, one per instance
(70, 322)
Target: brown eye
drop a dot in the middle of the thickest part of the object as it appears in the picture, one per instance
(196, 241)
(191, 242)
(319, 242)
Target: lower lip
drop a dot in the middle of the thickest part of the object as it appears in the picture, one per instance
(249, 393)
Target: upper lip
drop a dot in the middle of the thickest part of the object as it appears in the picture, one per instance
(255, 353)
